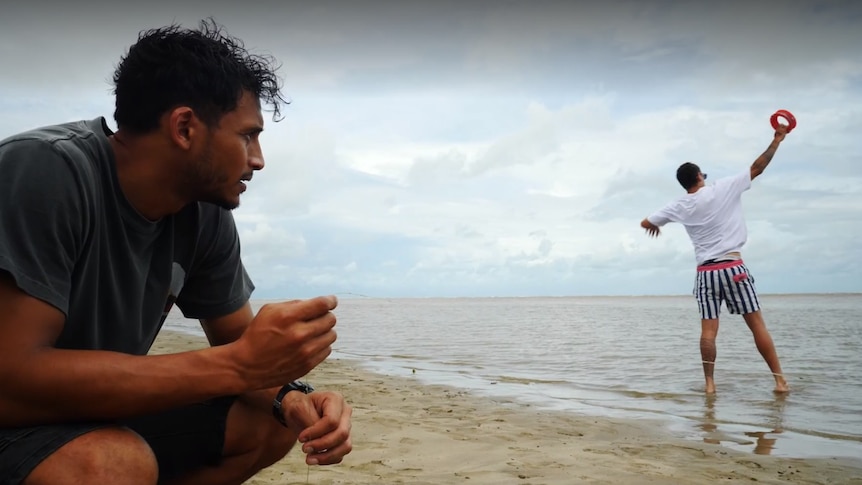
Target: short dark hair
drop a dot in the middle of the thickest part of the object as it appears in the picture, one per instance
(205, 69)
(687, 174)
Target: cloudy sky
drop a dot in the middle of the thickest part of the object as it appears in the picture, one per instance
(505, 148)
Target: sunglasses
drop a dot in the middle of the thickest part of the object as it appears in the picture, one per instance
(704, 175)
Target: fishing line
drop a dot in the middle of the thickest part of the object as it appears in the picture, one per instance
(353, 294)
(370, 297)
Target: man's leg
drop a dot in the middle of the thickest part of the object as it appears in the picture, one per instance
(707, 291)
(104, 455)
(764, 344)
(253, 441)
(742, 299)
(223, 441)
(708, 332)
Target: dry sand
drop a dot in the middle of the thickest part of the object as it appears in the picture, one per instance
(405, 432)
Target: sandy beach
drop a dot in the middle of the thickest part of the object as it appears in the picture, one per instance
(405, 432)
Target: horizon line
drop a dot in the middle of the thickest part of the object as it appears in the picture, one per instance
(352, 295)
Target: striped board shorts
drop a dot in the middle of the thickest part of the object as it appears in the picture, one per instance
(727, 281)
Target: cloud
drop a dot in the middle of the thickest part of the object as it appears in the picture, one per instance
(506, 148)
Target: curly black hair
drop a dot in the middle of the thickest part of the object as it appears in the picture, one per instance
(205, 69)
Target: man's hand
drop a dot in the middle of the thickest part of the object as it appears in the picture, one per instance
(780, 133)
(285, 341)
(322, 422)
(651, 229)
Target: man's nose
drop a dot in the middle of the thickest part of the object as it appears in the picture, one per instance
(256, 162)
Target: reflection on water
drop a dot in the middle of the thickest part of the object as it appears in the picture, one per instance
(764, 441)
(708, 425)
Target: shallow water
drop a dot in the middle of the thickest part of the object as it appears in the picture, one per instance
(632, 357)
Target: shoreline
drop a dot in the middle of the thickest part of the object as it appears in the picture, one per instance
(405, 431)
(769, 436)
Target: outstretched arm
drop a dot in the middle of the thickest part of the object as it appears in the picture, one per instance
(763, 160)
(651, 229)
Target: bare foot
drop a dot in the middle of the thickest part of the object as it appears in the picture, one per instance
(710, 386)
(781, 386)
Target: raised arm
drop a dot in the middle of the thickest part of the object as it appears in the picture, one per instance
(763, 160)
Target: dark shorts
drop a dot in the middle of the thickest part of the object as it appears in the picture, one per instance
(182, 439)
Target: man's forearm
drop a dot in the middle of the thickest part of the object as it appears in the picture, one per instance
(261, 399)
(227, 329)
(763, 160)
(54, 385)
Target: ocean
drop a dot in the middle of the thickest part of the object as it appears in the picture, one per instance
(628, 357)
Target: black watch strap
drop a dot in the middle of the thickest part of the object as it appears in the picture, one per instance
(277, 411)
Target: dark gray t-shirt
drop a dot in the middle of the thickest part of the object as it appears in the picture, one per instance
(69, 237)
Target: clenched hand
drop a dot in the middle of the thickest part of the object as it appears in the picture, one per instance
(322, 421)
(285, 341)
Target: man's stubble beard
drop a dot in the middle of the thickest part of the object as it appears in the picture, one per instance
(205, 183)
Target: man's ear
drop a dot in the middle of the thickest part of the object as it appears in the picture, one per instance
(183, 126)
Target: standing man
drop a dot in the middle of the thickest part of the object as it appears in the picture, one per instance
(101, 233)
(713, 219)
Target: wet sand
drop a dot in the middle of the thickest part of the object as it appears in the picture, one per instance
(405, 432)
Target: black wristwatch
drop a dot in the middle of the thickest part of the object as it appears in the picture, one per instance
(300, 386)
